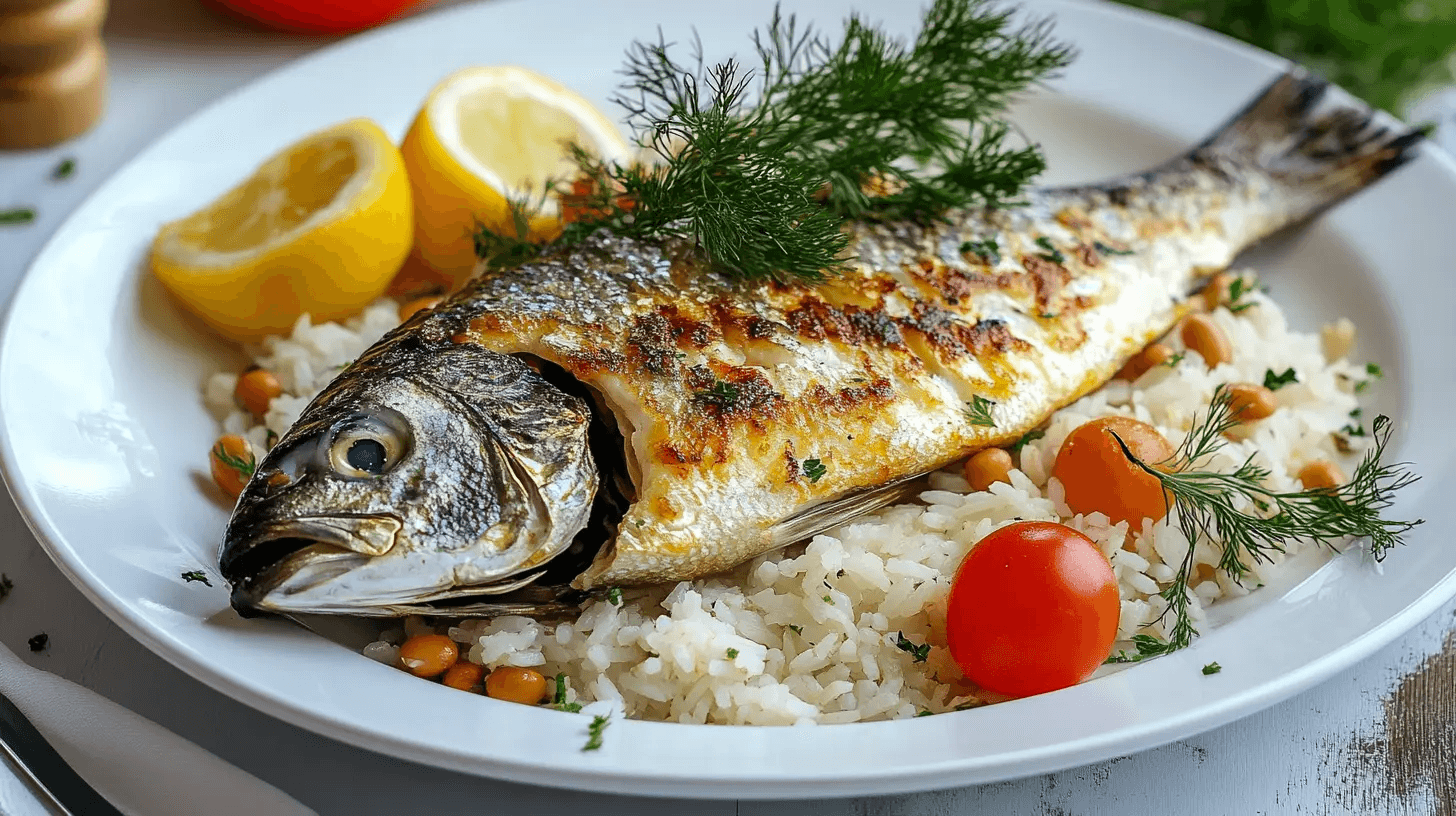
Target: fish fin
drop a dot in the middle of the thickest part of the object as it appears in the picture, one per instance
(1306, 138)
(813, 520)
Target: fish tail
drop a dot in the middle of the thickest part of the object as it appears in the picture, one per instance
(1298, 136)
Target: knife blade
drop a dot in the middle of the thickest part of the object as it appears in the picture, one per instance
(57, 780)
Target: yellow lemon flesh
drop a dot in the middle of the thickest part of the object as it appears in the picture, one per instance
(320, 228)
(486, 137)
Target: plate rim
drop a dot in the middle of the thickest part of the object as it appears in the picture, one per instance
(1013, 765)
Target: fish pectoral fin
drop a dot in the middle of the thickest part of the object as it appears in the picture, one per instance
(817, 518)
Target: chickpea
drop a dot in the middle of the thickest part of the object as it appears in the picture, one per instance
(1321, 474)
(516, 685)
(1145, 361)
(1202, 335)
(1216, 290)
(409, 308)
(256, 388)
(988, 467)
(1249, 402)
(232, 464)
(428, 655)
(464, 675)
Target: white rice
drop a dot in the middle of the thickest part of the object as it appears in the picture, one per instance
(808, 635)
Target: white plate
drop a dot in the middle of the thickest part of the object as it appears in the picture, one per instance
(105, 438)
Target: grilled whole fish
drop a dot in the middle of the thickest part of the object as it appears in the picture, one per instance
(614, 413)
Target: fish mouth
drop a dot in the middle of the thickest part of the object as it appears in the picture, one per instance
(280, 550)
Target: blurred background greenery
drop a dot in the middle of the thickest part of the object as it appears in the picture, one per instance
(1388, 51)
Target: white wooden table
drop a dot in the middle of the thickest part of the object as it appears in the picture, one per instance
(1377, 739)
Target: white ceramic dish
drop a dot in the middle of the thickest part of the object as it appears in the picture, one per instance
(105, 439)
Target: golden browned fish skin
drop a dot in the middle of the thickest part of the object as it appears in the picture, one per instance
(724, 389)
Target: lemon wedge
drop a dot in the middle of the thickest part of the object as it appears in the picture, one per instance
(320, 228)
(485, 137)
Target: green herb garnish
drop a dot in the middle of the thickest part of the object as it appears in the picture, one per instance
(614, 596)
(1212, 668)
(594, 733)
(20, 215)
(987, 250)
(64, 170)
(925, 713)
(39, 643)
(5, 586)
(1240, 288)
(1108, 249)
(1172, 362)
(1145, 646)
(978, 411)
(723, 395)
(1051, 253)
(1205, 503)
(196, 575)
(798, 630)
(904, 644)
(241, 465)
(1274, 382)
(1026, 439)
(761, 166)
(732, 653)
(814, 470)
(828, 599)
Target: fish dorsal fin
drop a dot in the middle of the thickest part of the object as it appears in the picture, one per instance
(815, 519)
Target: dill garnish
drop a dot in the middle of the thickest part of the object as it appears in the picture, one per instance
(558, 700)
(978, 411)
(723, 395)
(1274, 382)
(1238, 289)
(761, 164)
(594, 733)
(21, 215)
(241, 465)
(1051, 253)
(1028, 438)
(1212, 668)
(5, 586)
(815, 470)
(196, 575)
(1172, 362)
(918, 653)
(1207, 505)
(1108, 249)
(986, 250)
(64, 170)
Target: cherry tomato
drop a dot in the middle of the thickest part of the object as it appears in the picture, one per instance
(1099, 478)
(1034, 608)
(316, 16)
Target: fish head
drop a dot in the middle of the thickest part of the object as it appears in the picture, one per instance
(425, 472)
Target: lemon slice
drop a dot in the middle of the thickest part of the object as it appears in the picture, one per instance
(485, 137)
(321, 228)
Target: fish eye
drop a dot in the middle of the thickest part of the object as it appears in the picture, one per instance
(365, 447)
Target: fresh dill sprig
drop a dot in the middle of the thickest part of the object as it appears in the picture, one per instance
(978, 411)
(760, 164)
(1221, 507)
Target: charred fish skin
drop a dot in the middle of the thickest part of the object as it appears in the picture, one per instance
(427, 470)
(756, 414)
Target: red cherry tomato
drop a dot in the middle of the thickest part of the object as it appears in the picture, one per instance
(1033, 608)
(316, 16)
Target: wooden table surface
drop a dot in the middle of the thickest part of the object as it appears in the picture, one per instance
(1379, 738)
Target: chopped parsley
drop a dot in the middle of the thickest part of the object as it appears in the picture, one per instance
(1027, 439)
(1240, 288)
(1051, 253)
(986, 250)
(828, 599)
(798, 630)
(904, 644)
(978, 411)
(196, 575)
(558, 700)
(925, 713)
(814, 470)
(1274, 382)
(19, 215)
(614, 596)
(1374, 371)
(1212, 668)
(39, 643)
(732, 653)
(1107, 249)
(64, 170)
(1172, 362)
(594, 733)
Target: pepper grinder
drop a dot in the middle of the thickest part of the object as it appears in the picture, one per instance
(52, 70)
